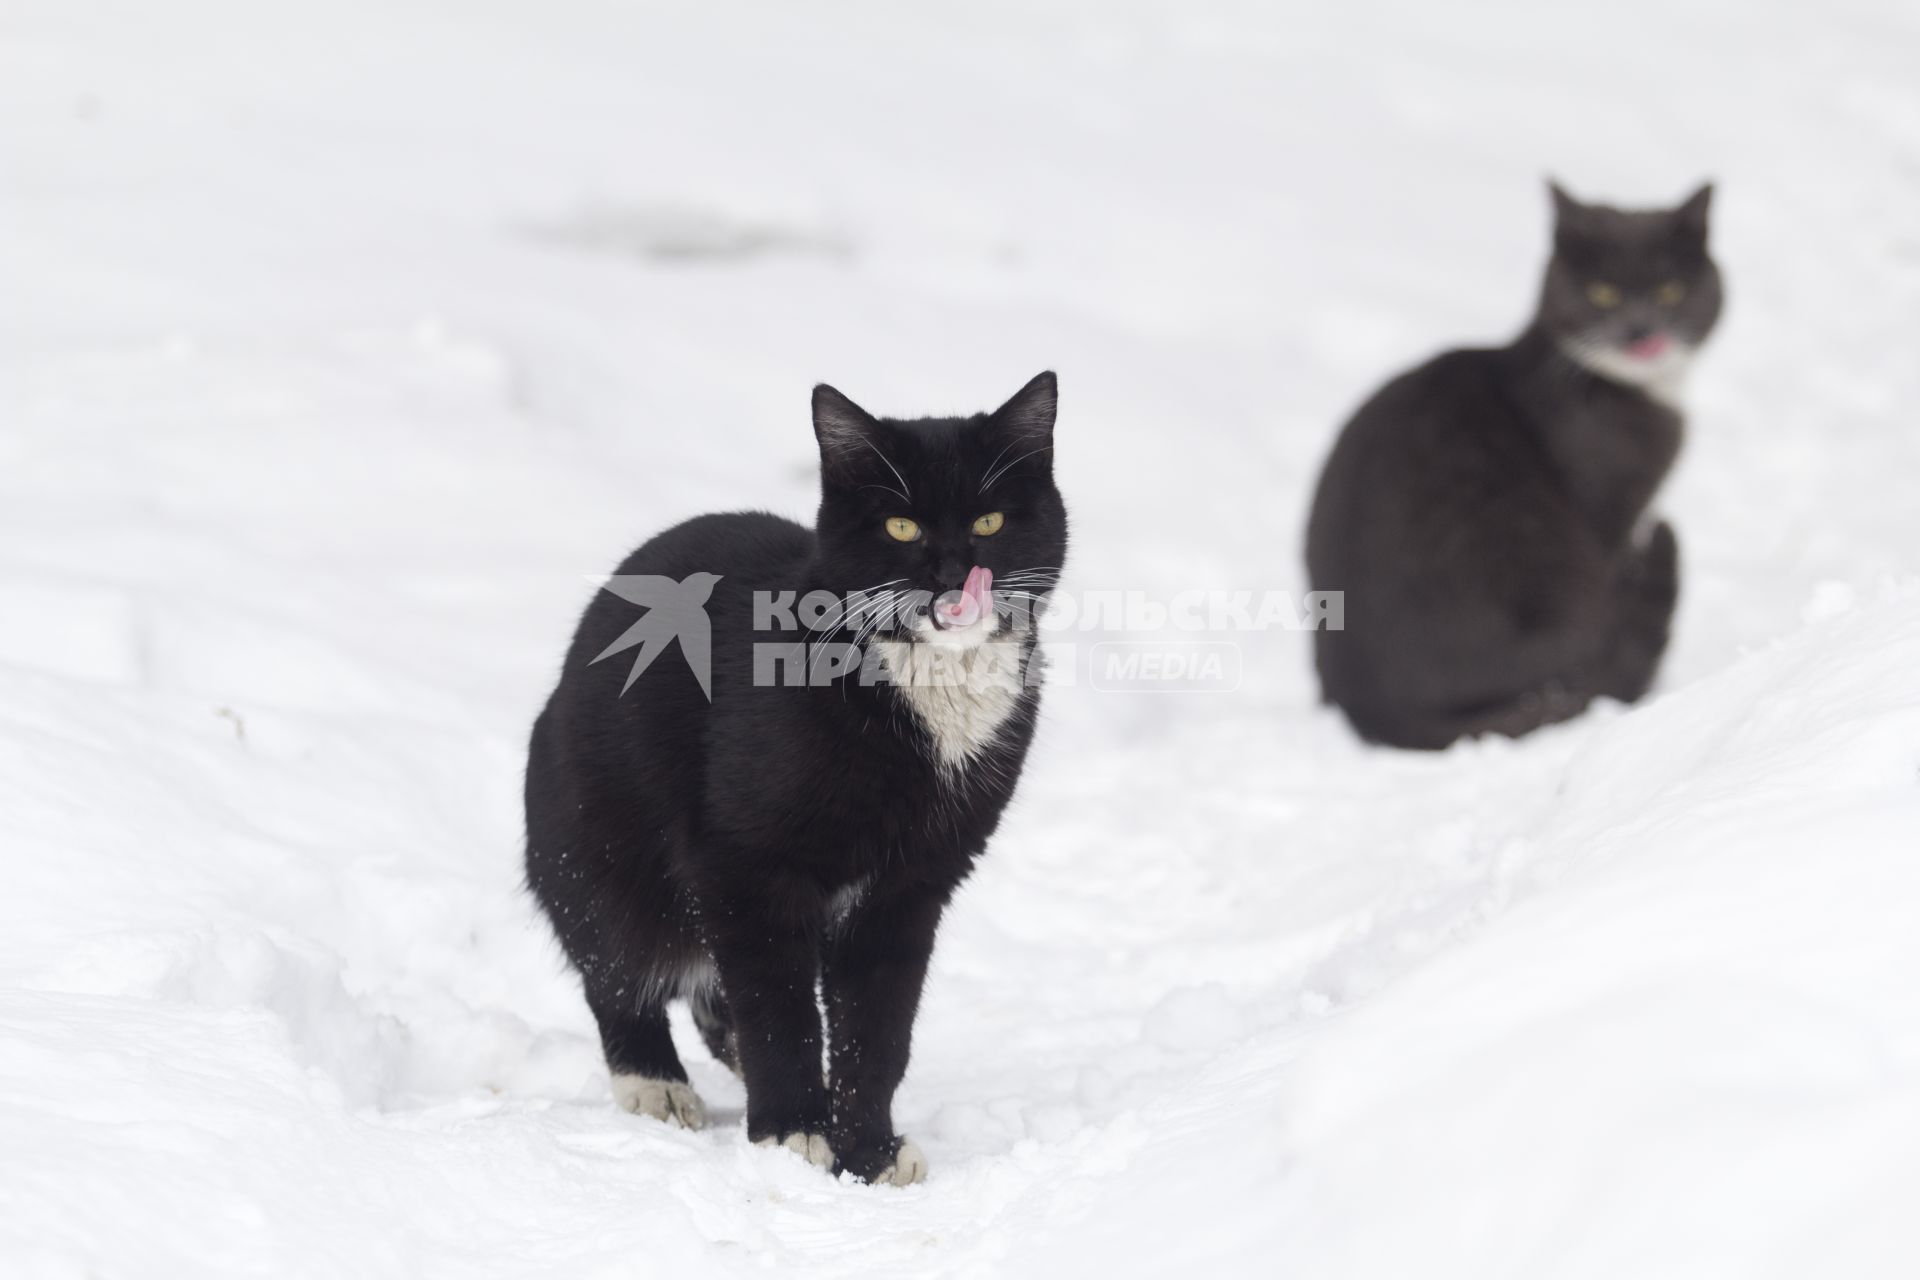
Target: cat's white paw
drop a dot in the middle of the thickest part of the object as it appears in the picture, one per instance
(811, 1147)
(670, 1100)
(909, 1166)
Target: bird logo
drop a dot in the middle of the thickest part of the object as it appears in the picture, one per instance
(675, 610)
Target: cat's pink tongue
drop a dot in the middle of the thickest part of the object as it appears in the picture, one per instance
(975, 601)
(1649, 347)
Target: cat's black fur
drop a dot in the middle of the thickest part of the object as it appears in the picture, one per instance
(1479, 513)
(738, 851)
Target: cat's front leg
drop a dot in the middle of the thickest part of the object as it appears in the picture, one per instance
(875, 966)
(767, 966)
(1644, 597)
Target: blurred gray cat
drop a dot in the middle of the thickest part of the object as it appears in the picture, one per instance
(1479, 512)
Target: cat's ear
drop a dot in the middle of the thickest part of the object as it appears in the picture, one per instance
(1691, 216)
(1029, 414)
(1570, 218)
(1564, 205)
(845, 432)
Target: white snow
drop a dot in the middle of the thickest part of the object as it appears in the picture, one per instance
(343, 343)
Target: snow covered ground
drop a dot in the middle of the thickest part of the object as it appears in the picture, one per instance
(340, 343)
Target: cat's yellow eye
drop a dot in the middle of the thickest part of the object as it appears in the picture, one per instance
(1671, 293)
(1603, 295)
(901, 529)
(989, 524)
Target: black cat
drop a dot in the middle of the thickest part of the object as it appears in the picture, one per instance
(1479, 512)
(737, 834)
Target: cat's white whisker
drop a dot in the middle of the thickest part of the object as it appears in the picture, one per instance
(985, 477)
(993, 477)
(904, 497)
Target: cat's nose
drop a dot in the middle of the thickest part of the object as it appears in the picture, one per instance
(952, 572)
(1644, 342)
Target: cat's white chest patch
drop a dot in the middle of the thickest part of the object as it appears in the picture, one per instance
(961, 695)
(1662, 379)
